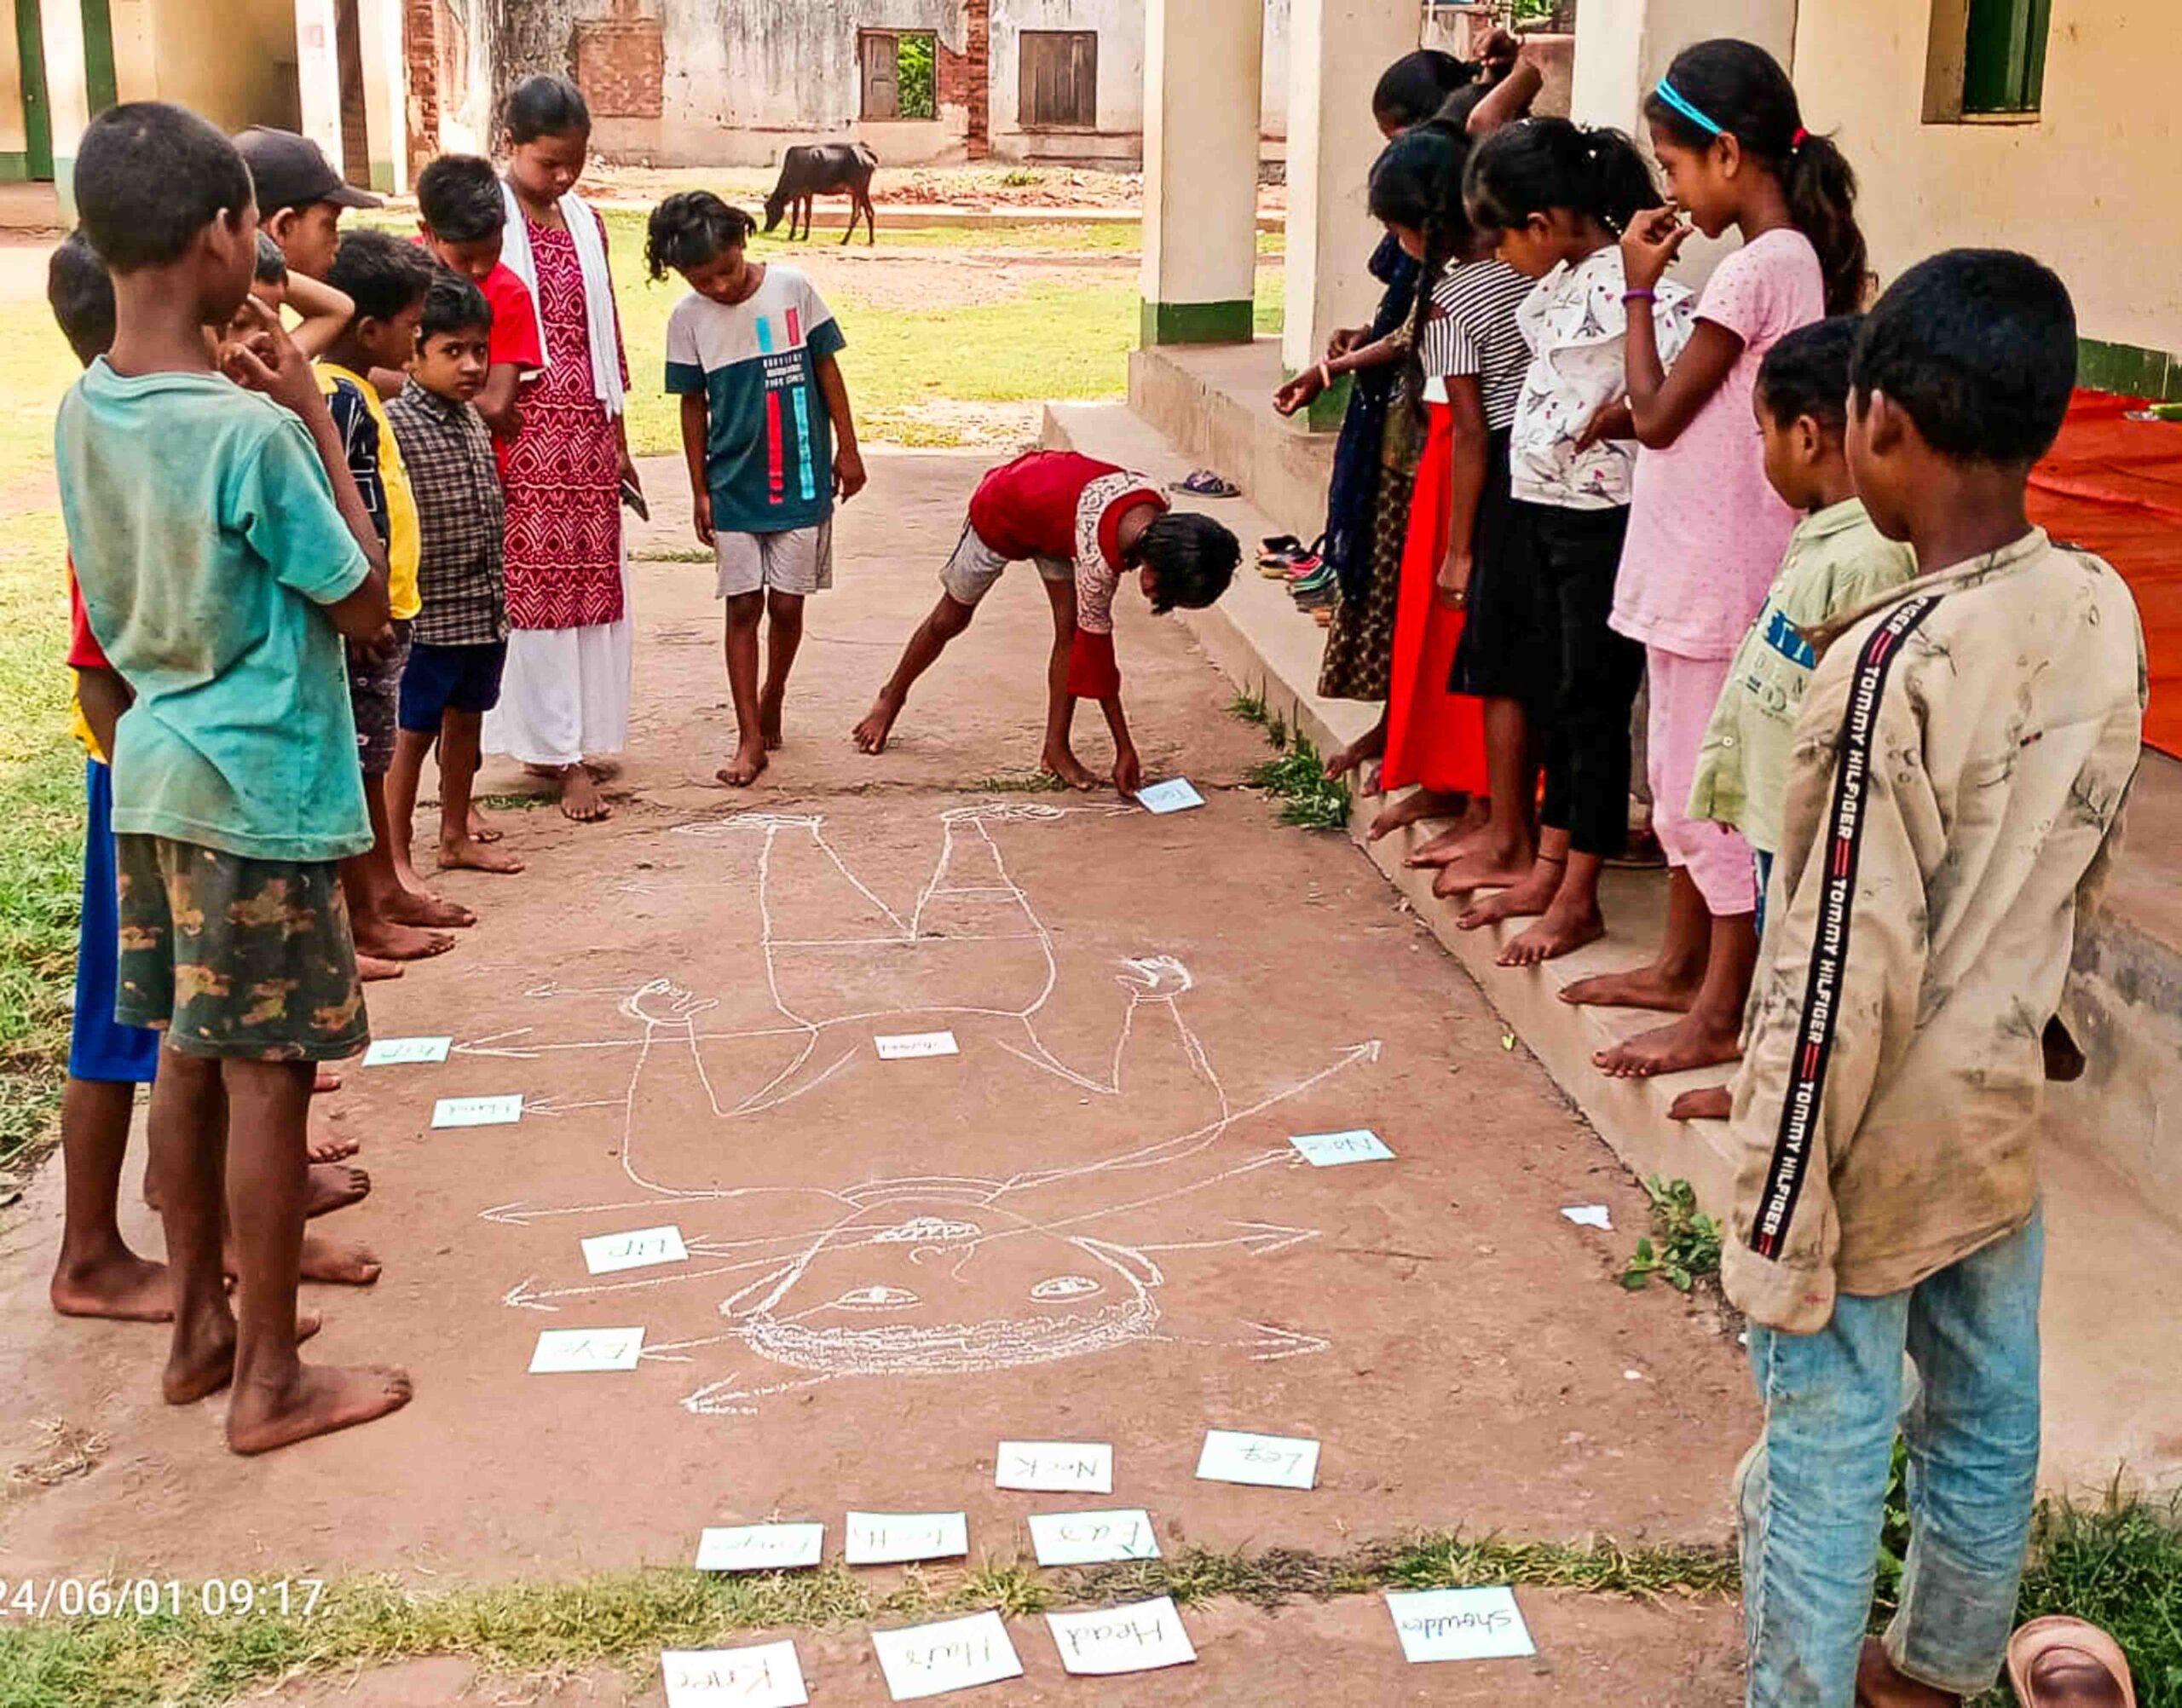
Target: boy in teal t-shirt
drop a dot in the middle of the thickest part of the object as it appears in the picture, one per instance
(222, 553)
(768, 437)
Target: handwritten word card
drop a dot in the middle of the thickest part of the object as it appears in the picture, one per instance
(604, 1253)
(1331, 1150)
(1273, 1462)
(1459, 1624)
(892, 1538)
(1141, 1638)
(1092, 1538)
(1055, 1467)
(760, 1546)
(954, 1654)
(401, 1052)
(477, 1111)
(568, 1351)
(1176, 794)
(914, 1045)
(768, 1676)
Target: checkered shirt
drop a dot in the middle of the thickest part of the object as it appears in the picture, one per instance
(461, 512)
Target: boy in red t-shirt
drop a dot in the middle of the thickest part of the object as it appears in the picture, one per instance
(1085, 525)
(461, 214)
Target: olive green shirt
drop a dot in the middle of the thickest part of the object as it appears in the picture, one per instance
(1836, 561)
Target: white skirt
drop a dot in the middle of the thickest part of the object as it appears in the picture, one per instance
(564, 694)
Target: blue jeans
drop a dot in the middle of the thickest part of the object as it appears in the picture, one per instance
(1812, 1493)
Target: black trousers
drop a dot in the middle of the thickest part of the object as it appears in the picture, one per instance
(1595, 675)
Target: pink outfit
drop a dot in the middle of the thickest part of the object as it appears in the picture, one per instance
(1683, 693)
(1706, 531)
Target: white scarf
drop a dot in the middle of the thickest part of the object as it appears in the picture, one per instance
(598, 287)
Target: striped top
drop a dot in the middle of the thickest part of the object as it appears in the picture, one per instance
(1471, 329)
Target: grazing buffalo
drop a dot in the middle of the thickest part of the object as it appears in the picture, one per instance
(825, 169)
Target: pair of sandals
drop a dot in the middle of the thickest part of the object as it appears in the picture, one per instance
(1310, 578)
(1205, 484)
(2070, 1644)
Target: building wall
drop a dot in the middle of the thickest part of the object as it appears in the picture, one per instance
(2087, 188)
(242, 72)
(13, 137)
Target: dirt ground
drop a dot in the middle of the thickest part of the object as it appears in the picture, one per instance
(1087, 1226)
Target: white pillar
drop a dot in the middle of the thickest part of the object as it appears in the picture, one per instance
(386, 93)
(67, 96)
(1201, 73)
(317, 77)
(1338, 49)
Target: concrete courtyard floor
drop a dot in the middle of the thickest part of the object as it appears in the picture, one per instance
(1087, 1226)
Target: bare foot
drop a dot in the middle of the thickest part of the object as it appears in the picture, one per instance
(1523, 901)
(321, 1399)
(747, 766)
(1560, 931)
(334, 1150)
(121, 1287)
(1368, 745)
(1414, 808)
(1449, 845)
(210, 1366)
(580, 797)
(1692, 1042)
(1651, 986)
(337, 1263)
(373, 969)
(481, 829)
(601, 770)
(1484, 868)
(468, 854)
(1714, 1103)
(333, 1186)
(1879, 1685)
(326, 1080)
(769, 719)
(870, 736)
(1069, 769)
(386, 940)
(419, 907)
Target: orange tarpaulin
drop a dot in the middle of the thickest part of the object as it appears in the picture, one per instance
(2114, 486)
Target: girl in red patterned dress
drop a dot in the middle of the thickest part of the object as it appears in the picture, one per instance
(565, 693)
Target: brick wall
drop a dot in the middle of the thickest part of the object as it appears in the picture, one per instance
(421, 42)
(621, 64)
(977, 75)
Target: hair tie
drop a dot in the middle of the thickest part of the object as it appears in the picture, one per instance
(1680, 103)
(1798, 140)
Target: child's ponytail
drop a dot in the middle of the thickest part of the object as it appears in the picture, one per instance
(1735, 89)
(1417, 183)
(689, 228)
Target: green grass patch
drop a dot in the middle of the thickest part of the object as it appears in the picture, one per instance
(1020, 783)
(676, 554)
(514, 803)
(131, 1660)
(1684, 1245)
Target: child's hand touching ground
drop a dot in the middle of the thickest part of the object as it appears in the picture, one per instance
(1129, 771)
(1650, 245)
(849, 477)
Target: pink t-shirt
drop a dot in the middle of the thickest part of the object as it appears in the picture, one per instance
(1706, 530)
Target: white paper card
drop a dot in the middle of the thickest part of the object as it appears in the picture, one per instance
(1330, 1150)
(399, 1052)
(891, 1538)
(1092, 1538)
(1176, 794)
(768, 1676)
(954, 1654)
(1055, 1467)
(604, 1253)
(1589, 1215)
(566, 1351)
(477, 1111)
(1459, 1624)
(1274, 1462)
(760, 1546)
(1141, 1637)
(911, 1046)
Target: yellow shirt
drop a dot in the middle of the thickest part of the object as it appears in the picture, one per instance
(375, 461)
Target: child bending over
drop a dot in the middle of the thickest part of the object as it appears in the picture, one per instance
(459, 642)
(1953, 783)
(769, 441)
(1085, 525)
(222, 581)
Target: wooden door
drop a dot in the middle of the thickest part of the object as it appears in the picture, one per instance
(1059, 79)
(882, 75)
(37, 113)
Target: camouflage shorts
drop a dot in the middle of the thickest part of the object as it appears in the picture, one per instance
(237, 957)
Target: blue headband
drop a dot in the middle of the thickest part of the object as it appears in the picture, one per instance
(1675, 98)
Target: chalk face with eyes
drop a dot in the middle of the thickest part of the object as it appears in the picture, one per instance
(927, 1283)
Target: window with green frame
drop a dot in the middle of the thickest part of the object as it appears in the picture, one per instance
(2004, 58)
